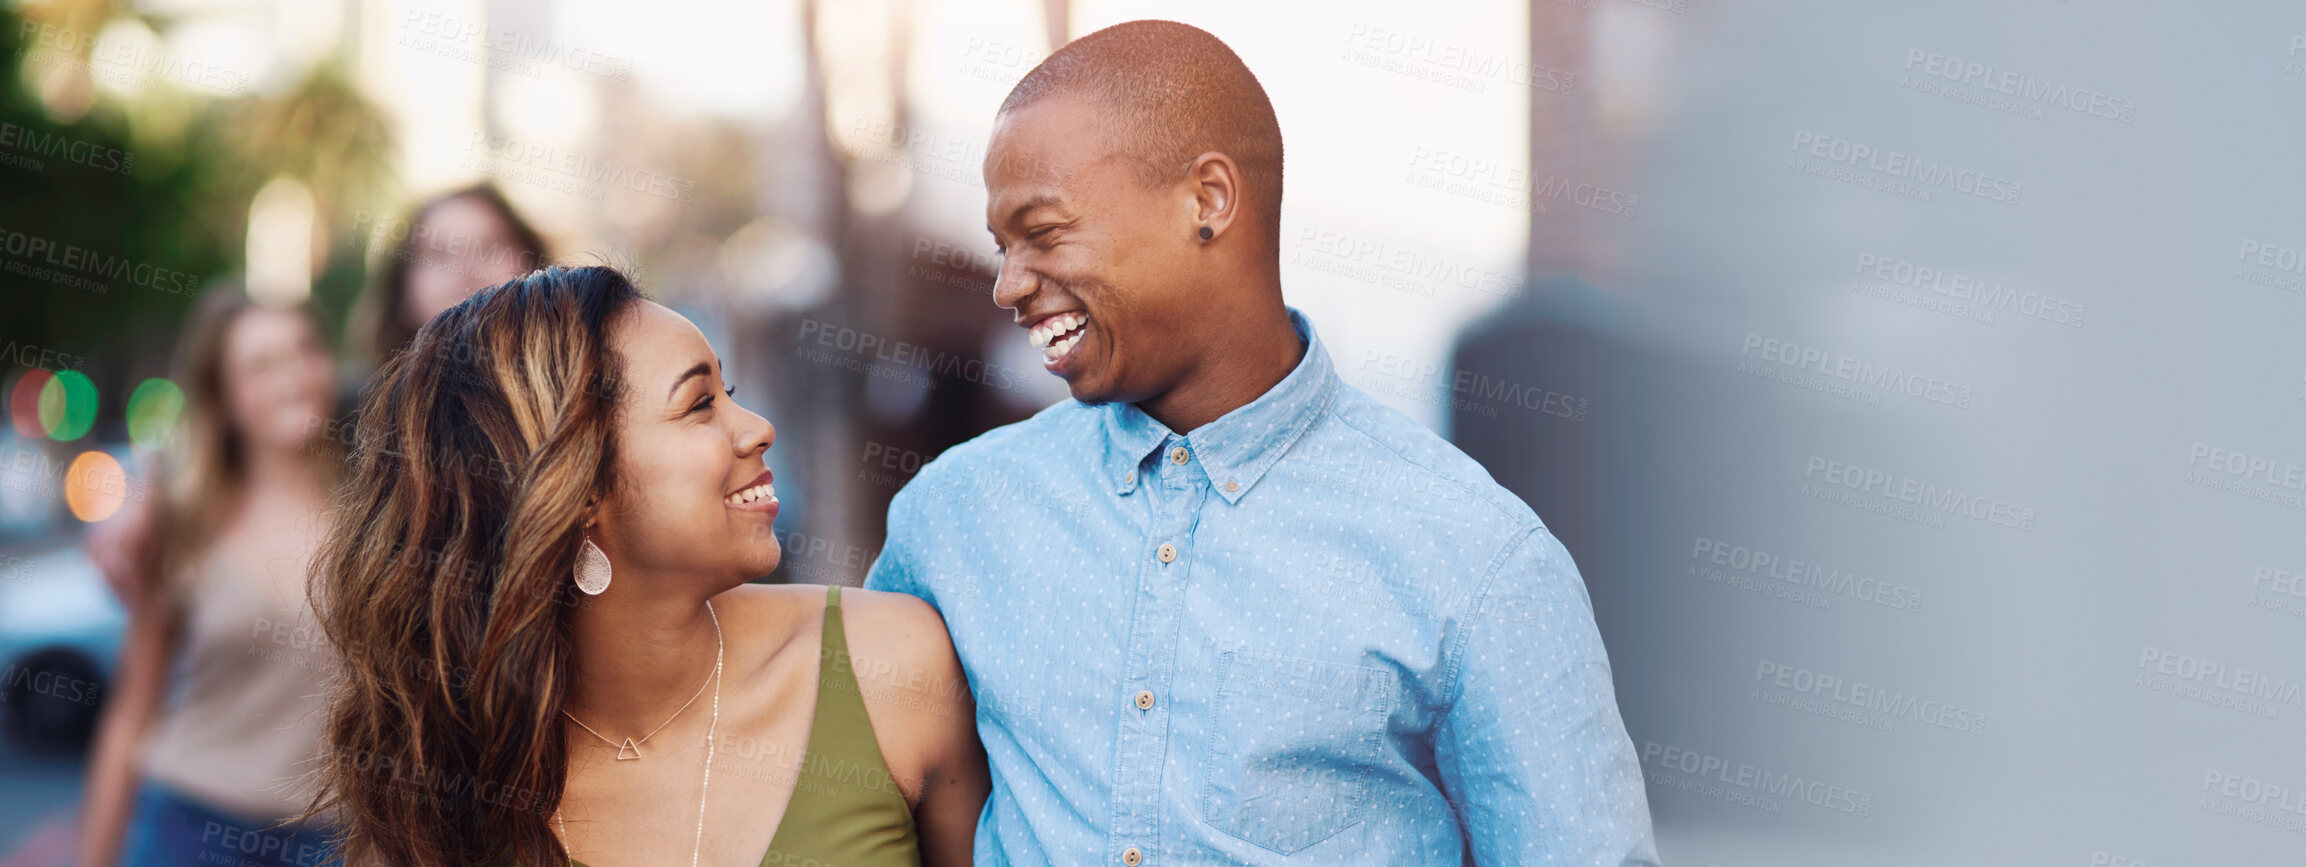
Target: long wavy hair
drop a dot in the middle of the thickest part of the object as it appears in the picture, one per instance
(445, 578)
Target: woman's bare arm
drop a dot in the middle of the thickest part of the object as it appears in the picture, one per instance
(113, 770)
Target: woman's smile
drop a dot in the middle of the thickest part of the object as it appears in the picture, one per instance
(758, 495)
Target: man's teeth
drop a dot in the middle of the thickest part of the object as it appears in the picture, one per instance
(1049, 329)
(756, 492)
(1058, 349)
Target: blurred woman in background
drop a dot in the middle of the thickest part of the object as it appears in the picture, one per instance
(215, 712)
(449, 247)
(538, 573)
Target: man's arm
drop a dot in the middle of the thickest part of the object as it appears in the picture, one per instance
(1533, 755)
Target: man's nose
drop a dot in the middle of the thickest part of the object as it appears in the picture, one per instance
(1013, 283)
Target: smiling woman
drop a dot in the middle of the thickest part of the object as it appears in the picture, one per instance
(553, 661)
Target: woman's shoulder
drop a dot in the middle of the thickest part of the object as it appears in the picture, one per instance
(895, 627)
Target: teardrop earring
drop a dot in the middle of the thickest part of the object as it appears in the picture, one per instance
(592, 569)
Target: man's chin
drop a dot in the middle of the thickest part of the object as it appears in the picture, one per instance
(1090, 393)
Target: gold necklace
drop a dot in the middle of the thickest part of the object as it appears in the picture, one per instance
(710, 730)
(630, 750)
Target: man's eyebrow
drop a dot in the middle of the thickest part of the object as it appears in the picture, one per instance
(698, 369)
(1037, 200)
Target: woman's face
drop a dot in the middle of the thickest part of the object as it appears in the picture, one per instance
(276, 378)
(691, 494)
(461, 247)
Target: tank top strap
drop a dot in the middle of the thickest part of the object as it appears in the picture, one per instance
(846, 808)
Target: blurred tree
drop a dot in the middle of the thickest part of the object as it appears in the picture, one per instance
(116, 211)
(99, 247)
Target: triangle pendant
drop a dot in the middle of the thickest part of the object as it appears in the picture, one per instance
(628, 751)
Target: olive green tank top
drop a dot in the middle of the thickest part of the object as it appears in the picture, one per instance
(846, 809)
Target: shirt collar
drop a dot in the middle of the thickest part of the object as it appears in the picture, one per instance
(1241, 445)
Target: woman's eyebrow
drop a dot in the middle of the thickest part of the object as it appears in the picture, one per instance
(698, 369)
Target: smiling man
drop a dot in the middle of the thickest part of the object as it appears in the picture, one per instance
(1222, 607)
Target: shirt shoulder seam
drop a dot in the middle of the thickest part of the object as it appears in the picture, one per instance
(1520, 523)
(1453, 681)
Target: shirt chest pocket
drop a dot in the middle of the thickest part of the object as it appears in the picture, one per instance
(1292, 746)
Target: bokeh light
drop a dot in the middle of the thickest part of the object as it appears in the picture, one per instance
(68, 406)
(152, 412)
(94, 486)
(24, 403)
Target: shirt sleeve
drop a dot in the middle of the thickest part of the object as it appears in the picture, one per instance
(1532, 753)
(893, 570)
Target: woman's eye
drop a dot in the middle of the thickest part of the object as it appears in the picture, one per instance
(702, 405)
(730, 390)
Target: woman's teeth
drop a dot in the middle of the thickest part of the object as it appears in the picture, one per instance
(1058, 334)
(756, 492)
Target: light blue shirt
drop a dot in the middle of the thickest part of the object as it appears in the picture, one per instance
(1311, 632)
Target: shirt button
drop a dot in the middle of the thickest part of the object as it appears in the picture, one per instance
(1168, 552)
(1130, 479)
(1144, 699)
(1132, 857)
(1232, 486)
(1178, 455)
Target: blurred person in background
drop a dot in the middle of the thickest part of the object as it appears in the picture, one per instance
(447, 248)
(539, 576)
(217, 710)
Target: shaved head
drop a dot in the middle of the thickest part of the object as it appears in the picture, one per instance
(1166, 93)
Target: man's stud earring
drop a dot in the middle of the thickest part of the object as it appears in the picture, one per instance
(1205, 233)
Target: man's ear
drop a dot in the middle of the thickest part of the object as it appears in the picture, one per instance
(1215, 181)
